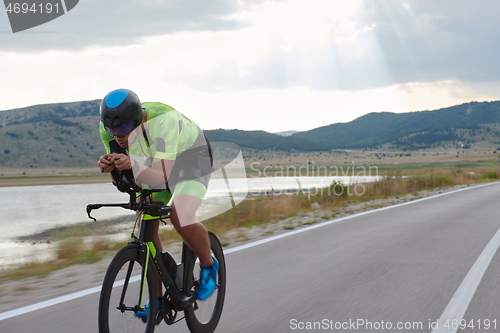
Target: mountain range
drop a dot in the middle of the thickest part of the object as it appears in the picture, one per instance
(406, 131)
(66, 134)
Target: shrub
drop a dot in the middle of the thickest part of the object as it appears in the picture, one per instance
(338, 189)
(490, 175)
(439, 181)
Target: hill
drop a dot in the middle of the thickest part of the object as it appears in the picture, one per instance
(411, 130)
(66, 134)
(50, 135)
(262, 140)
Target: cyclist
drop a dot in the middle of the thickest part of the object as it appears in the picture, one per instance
(167, 151)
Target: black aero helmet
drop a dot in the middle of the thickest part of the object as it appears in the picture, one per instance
(121, 107)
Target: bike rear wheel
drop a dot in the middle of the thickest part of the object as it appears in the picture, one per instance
(203, 316)
(120, 294)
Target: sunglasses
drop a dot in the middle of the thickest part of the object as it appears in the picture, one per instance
(122, 130)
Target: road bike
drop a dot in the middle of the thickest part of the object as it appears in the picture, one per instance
(131, 278)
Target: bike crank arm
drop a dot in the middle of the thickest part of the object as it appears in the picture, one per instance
(134, 309)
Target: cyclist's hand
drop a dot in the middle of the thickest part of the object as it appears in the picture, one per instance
(106, 163)
(122, 161)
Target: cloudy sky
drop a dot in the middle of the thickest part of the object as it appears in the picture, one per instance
(274, 65)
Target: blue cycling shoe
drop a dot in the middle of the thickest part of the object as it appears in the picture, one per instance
(144, 314)
(208, 281)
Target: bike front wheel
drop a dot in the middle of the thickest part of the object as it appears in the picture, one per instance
(203, 316)
(120, 294)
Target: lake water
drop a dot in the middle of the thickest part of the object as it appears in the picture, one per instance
(28, 210)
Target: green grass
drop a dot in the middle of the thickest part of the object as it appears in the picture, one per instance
(441, 165)
(492, 175)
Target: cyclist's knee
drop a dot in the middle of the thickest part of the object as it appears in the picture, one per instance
(180, 221)
(184, 209)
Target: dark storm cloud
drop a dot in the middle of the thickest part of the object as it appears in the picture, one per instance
(122, 22)
(403, 41)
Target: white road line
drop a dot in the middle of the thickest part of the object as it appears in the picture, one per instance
(54, 301)
(50, 302)
(41, 305)
(455, 310)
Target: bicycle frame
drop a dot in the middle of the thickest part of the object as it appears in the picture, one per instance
(180, 290)
(146, 246)
(175, 289)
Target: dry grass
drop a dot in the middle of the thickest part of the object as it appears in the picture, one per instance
(261, 210)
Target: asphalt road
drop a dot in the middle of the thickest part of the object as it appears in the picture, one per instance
(375, 272)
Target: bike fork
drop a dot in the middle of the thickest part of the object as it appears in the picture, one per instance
(125, 286)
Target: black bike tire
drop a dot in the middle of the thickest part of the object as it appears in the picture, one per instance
(124, 256)
(194, 325)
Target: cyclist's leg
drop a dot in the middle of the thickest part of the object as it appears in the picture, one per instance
(187, 199)
(193, 233)
(196, 237)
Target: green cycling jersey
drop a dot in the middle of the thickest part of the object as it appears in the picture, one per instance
(168, 133)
